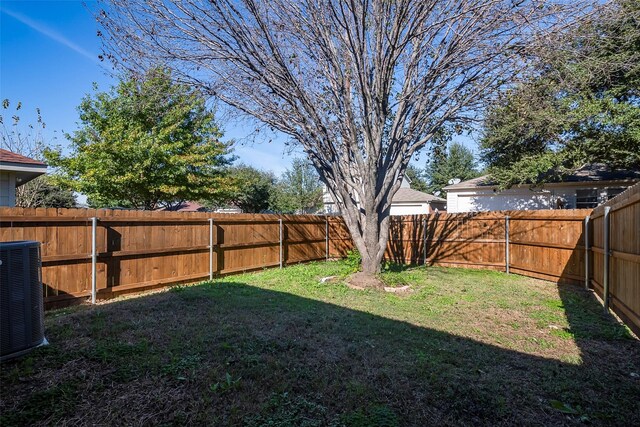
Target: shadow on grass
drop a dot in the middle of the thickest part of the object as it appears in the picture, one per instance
(395, 267)
(229, 353)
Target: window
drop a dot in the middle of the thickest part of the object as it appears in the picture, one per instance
(586, 198)
(614, 191)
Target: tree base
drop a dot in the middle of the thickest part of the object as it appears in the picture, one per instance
(362, 281)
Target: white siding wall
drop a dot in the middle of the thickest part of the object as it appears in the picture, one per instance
(409, 208)
(7, 189)
(487, 200)
(478, 200)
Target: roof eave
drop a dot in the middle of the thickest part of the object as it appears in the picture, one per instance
(23, 167)
(23, 172)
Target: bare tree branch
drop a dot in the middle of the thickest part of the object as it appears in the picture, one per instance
(361, 85)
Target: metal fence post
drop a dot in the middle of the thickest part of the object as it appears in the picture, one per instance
(94, 259)
(605, 285)
(424, 240)
(326, 237)
(586, 251)
(281, 247)
(210, 248)
(506, 243)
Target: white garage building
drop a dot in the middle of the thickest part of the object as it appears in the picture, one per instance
(585, 188)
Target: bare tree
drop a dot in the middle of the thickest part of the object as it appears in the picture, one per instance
(27, 141)
(361, 85)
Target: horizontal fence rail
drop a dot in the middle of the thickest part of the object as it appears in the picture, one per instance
(542, 244)
(127, 251)
(130, 251)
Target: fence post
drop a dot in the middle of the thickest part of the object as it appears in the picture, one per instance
(605, 291)
(326, 237)
(586, 251)
(424, 240)
(281, 251)
(94, 259)
(210, 248)
(506, 243)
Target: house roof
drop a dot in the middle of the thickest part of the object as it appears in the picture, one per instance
(187, 207)
(11, 157)
(404, 195)
(596, 172)
(601, 172)
(481, 181)
(23, 168)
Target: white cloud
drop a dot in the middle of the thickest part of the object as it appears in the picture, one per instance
(51, 34)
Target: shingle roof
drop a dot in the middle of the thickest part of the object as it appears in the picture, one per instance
(596, 172)
(11, 157)
(409, 195)
(187, 207)
(601, 172)
(480, 181)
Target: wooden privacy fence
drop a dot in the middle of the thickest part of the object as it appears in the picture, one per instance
(614, 265)
(124, 251)
(542, 244)
(97, 253)
(599, 249)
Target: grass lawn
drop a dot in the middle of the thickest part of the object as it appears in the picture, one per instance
(278, 348)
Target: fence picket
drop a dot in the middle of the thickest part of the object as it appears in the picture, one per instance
(137, 251)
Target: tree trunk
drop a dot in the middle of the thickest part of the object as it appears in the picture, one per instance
(370, 234)
(371, 265)
(368, 86)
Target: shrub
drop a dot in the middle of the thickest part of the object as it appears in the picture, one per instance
(353, 260)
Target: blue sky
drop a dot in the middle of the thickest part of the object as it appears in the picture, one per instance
(49, 60)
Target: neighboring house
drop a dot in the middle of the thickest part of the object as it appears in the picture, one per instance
(406, 201)
(16, 170)
(587, 187)
(412, 202)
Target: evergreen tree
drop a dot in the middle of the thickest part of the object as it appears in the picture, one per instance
(456, 162)
(44, 192)
(416, 177)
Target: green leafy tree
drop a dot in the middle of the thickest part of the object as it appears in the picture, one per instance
(298, 190)
(252, 189)
(581, 106)
(456, 162)
(147, 143)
